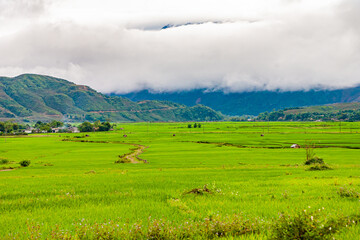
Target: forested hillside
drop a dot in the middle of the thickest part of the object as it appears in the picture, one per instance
(35, 97)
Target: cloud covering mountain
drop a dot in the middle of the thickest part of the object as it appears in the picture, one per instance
(233, 45)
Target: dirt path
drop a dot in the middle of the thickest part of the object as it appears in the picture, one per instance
(6, 170)
(134, 156)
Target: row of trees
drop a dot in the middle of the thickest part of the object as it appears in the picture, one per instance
(196, 125)
(346, 115)
(9, 127)
(97, 126)
(47, 127)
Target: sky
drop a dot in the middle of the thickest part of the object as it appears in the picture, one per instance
(229, 45)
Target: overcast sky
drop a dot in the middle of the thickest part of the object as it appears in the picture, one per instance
(232, 45)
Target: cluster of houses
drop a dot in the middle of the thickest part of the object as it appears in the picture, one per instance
(53, 130)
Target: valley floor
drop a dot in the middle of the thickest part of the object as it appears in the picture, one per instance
(225, 179)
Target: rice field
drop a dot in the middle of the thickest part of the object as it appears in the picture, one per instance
(225, 179)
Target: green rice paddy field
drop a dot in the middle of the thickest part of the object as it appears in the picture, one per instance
(220, 180)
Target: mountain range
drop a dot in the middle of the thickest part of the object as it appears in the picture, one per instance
(31, 97)
(251, 103)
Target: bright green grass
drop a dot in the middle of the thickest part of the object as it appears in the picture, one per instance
(255, 176)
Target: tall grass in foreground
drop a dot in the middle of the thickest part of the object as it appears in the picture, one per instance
(306, 225)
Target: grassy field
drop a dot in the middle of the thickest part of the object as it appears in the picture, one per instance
(223, 179)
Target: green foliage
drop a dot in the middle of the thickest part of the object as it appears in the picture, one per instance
(346, 192)
(10, 127)
(4, 161)
(86, 127)
(56, 124)
(314, 160)
(318, 167)
(25, 163)
(315, 163)
(304, 225)
(209, 228)
(336, 112)
(123, 160)
(97, 126)
(45, 98)
(105, 126)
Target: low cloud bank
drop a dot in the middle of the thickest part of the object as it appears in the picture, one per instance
(295, 47)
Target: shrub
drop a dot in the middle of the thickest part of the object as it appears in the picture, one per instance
(301, 226)
(317, 164)
(4, 161)
(348, 192)
(309, 150)
(123, 160)
(199, 191)
(25, 163)
(319, 167)
(209, 228)
(314, 160)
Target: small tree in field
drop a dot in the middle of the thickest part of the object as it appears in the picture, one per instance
(311, 158)
(309, 151)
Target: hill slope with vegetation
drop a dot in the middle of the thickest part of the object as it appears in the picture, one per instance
(251, 103)
(332, 112)
(31, 97)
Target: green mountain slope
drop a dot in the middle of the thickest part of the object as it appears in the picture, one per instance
(331, 112)
(250, 103)
(36, 97)
(329, 108)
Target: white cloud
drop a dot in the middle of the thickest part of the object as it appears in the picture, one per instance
(118, 46)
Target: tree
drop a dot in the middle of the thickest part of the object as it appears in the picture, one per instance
(97, 124)
(45, 127)
(105, 126)
(2, 127)
(7, 128)
(86, 127)
(38, 124)
(56, 124)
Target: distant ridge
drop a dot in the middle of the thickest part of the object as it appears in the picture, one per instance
(251, 103)
(330, 112)
(31, 97)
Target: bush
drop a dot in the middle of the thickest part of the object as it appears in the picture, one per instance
(348, 192)
(123, 160)
(301, 226)
(212, 227)
(319, 167)
(3, 161)
(314, 160)
(25, 163)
